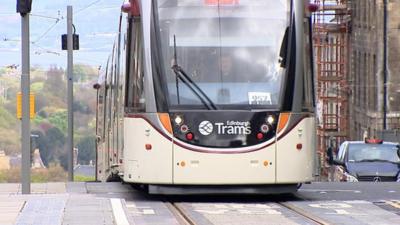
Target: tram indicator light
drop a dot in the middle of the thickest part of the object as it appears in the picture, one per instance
(264, 128)
(260, 136)
(184, 128)
(189, 136)
(148, 147)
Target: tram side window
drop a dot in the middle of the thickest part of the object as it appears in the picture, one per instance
(100, 116)
(135, 98)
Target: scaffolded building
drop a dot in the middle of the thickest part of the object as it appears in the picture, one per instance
(331, 41)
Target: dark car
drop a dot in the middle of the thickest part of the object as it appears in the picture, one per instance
(372, 160)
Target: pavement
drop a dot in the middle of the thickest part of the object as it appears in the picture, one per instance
(53, 203)
(119, 204)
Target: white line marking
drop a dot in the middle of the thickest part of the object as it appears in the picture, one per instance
(326, 191)
(118, 211)
(148, 212)
(212, 212)
(130, 205)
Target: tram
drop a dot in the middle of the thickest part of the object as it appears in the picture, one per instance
(208, 96)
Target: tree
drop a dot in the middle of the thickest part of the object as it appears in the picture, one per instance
(59, 120)
(86, 147)
(83, 73)
(55, 84)
(51, 145)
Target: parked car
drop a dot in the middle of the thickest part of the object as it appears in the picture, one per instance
(372, 160)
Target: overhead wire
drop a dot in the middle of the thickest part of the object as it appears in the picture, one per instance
(52, 26)
(62, 17)
(46, 49)
(47, 17)
(46, 32)
(87, 6)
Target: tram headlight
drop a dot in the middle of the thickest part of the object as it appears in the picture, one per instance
(270, 119)
(178, 120)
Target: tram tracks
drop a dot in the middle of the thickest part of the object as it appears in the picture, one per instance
(303, 213)
(184, 218)
(181, 215)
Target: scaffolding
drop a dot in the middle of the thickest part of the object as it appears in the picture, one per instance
(331, 35)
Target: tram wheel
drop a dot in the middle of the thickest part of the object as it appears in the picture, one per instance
(113, 178)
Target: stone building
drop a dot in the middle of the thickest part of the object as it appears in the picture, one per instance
(374, 79)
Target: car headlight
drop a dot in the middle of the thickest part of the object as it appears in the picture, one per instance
(349, 178)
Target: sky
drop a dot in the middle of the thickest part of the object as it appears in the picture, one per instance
(96, 23)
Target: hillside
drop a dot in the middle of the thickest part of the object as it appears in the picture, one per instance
(49, 127)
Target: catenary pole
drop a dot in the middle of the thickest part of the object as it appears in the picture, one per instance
(70, 139)
(25, 123)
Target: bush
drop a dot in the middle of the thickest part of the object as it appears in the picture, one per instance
(54, 173)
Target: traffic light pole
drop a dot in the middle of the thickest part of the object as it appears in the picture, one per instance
(25, 125)
(70, 96)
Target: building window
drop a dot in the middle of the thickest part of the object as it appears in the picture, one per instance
(374, 89)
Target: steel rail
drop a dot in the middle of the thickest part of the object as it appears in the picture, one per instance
(304, 213)
(182, 217)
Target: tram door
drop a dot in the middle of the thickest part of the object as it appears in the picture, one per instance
(100, 137)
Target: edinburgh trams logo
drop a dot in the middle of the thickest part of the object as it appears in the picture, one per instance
(230, 127)
(206, 128)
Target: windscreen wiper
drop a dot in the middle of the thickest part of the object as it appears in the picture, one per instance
(377, 160)
(182, 75)
(284, 48)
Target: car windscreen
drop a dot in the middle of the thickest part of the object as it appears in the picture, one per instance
(372, 152)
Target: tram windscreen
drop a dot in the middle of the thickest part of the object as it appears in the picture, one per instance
(229, 48)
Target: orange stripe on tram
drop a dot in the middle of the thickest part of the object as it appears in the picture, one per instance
(283, 120)
(165, 121)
